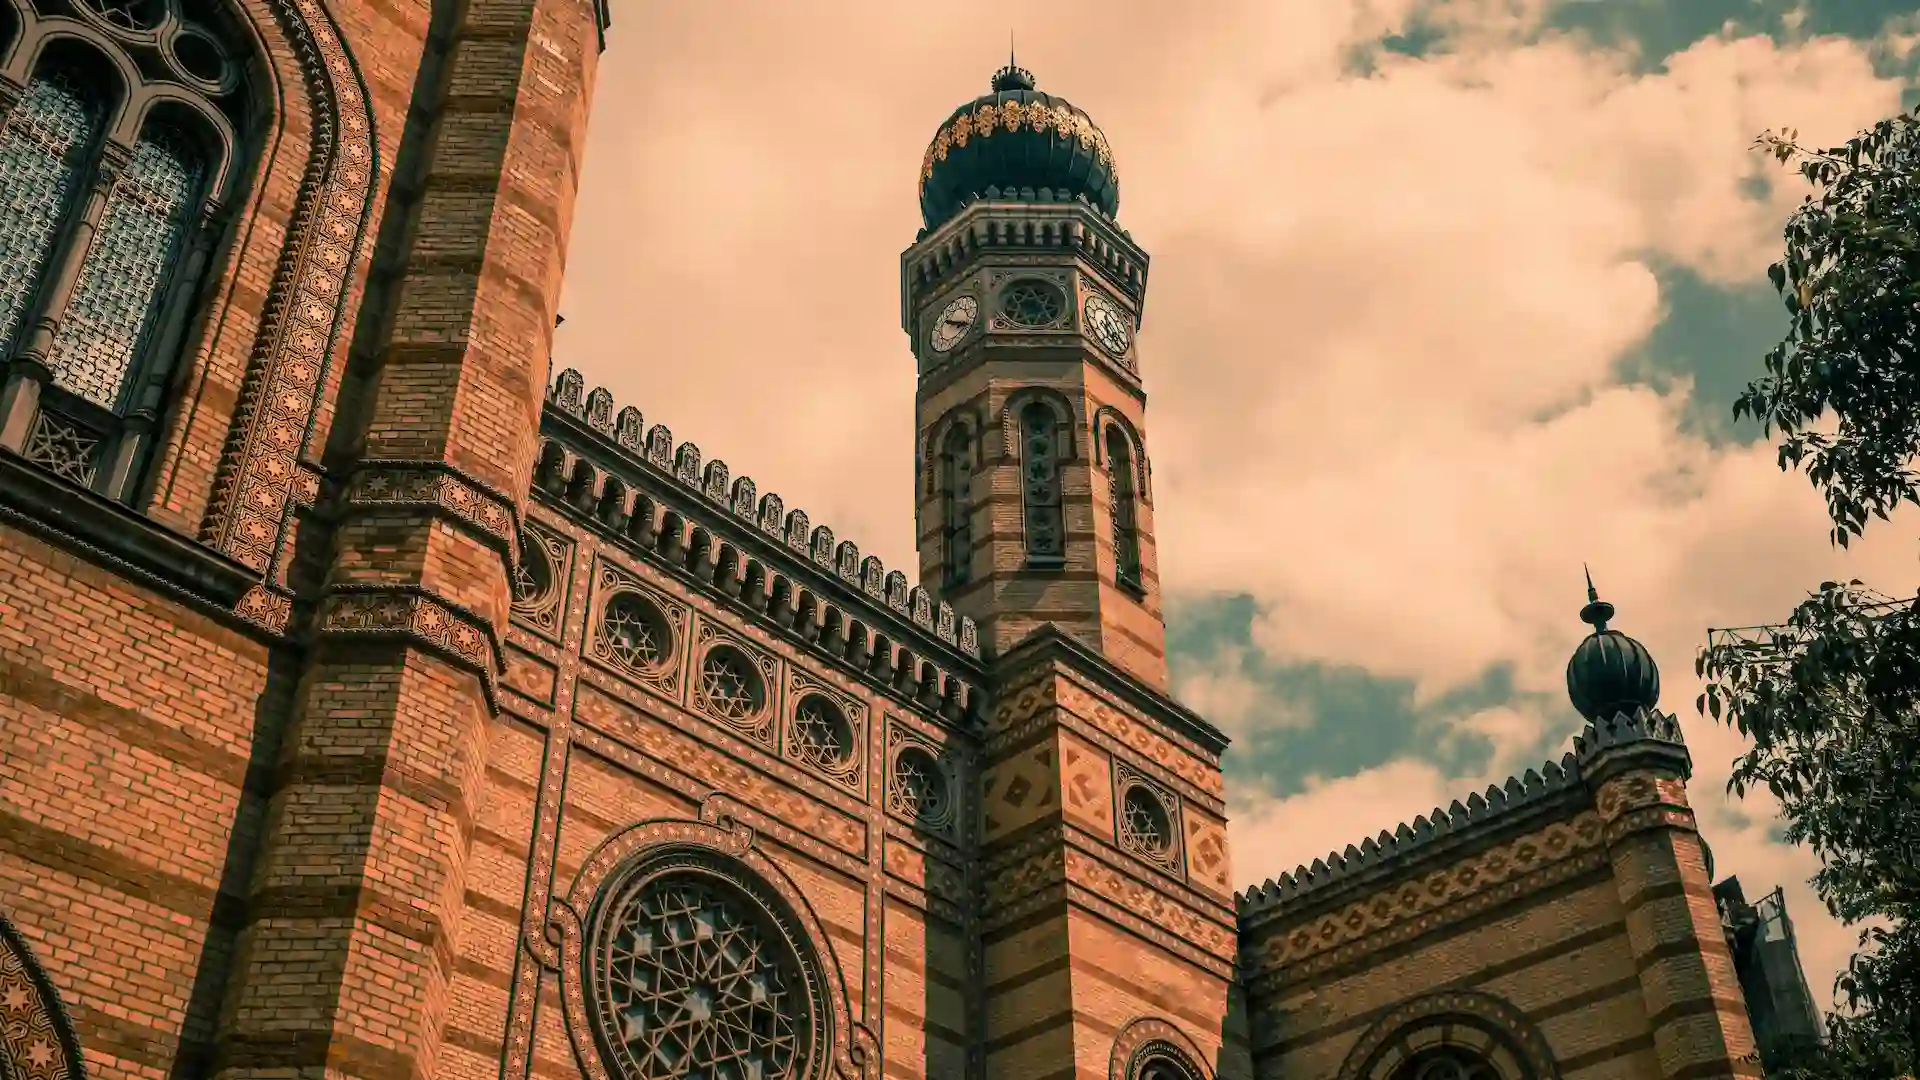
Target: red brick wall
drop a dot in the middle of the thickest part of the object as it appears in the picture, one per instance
(127, 724)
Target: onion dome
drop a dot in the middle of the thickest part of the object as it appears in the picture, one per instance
(1610, 673)
(1016, 139)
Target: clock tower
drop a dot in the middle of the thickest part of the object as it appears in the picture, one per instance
(1021, 296)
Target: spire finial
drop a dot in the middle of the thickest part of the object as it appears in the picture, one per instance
(1597, 611)
(1013, 76)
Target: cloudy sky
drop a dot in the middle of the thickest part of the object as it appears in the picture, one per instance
(1448, 298)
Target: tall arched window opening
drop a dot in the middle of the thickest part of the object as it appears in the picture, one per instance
(956, 493)
(1040, 463)
(115, 154)
(1122, 508)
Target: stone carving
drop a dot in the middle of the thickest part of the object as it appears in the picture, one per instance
(275, 411)
(412, 613)
(36, 1037)
(439, 487)
(1485, 1026)
(1420, 903)
(1153, 1049)
(599, 411)
(630, 430)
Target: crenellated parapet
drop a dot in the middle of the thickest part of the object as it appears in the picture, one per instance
(636, 484)
(1521, 801)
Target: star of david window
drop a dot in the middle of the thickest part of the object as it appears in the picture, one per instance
(635, 633)
(919, 791)
(108, 201)
(695, 975)
(1033, 304)
(822, 735)
(729, 685)
(1145, 827)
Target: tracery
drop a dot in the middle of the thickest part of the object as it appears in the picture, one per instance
(113, 158)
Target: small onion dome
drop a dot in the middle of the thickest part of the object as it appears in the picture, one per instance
(1610, 672)
(1015, 138)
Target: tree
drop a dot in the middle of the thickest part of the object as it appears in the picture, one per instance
(1830, 699)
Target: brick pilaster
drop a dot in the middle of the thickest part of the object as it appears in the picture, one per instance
(1099, 953)
(348, 951)
(1687, 978)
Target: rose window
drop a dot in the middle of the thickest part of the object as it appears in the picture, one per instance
(1144, 826)
(1033, 304)
(822, 735)
(534, 576)
(635, 633)
(730, 686)
(920, 788)
(135, 16)
(695, 981)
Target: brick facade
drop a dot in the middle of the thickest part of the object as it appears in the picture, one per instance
(337, 748)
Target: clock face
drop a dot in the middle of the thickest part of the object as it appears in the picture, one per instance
(953, 323)
(1109, 325)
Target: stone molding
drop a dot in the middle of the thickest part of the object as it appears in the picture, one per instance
(1413, 906)
(1048, 649)
(274, 415)
(36, 1035)
(443, 490)
(1146, 1038)
(1455, 1017)
(411, 614)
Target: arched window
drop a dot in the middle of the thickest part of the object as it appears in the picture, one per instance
(1122, 508)
(956, 511)
(113, 157)
(1040, 461)
(1447, 1063)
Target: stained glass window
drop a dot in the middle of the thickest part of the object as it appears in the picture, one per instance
(1040, 452)
(118, 292)
(43, 149)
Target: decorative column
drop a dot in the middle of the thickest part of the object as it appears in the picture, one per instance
(1634, 761)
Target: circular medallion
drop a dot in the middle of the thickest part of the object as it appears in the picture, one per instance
(695, 974)
(1033, 304)
(953, 323)
(1109, 327)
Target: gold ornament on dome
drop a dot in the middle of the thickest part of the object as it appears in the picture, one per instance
(1011, 116)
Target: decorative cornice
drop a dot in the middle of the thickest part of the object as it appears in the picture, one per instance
(1524, 803)
(1020, 224)
(441, 489)
(1410, 907)
(1048, 644)
(117, 537)
(733, 507)
(412, 614)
